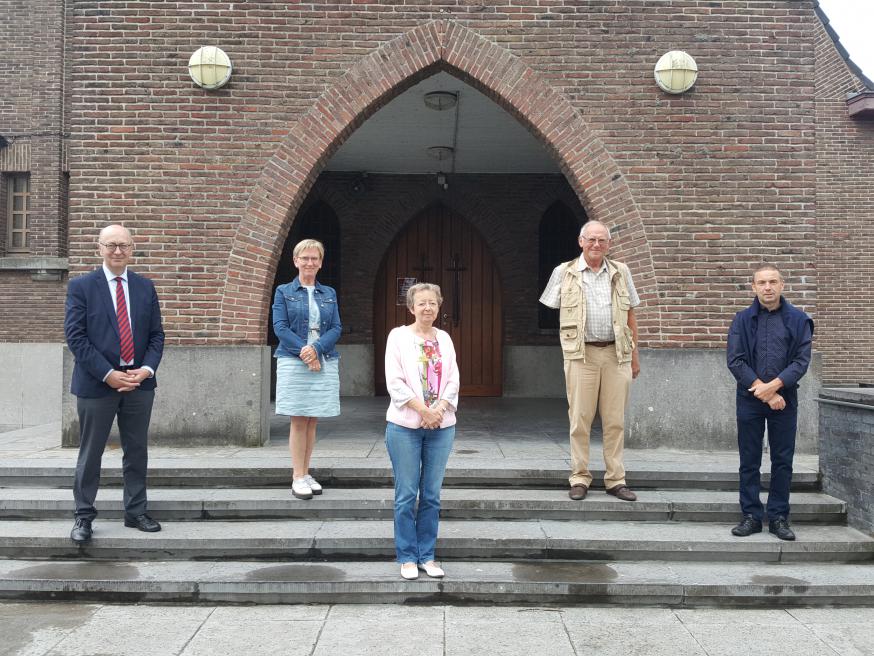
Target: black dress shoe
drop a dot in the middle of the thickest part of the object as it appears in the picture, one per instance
(622, 492)
(81, 533)
(142, 522)
(578, 492)
(748, 525)
(780, 528)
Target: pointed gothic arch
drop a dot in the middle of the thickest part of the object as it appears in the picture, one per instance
(359, 93)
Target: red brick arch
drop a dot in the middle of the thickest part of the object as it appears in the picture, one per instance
(364, 88)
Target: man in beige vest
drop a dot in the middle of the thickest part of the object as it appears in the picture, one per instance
(598, 332)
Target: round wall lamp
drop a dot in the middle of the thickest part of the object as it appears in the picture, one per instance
(676, 72)
(210, 67)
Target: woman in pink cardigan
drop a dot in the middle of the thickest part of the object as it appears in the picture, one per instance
(422, 379)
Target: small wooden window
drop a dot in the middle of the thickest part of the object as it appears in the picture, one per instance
(17, 209)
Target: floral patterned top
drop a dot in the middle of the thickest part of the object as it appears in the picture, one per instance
(430, 369)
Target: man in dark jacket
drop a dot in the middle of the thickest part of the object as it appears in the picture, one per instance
(113, 328)
(768, 352)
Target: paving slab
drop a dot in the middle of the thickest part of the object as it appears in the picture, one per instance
(507, 631)
(382, 631)
(132, 631)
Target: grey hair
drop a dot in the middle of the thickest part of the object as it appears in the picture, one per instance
(423, 287)
(591, 223)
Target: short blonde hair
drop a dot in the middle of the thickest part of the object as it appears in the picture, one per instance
(423, 287)
(306, 245)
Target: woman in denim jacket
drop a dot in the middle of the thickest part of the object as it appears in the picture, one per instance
(307, 322)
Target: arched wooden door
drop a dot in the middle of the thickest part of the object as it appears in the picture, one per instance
(438, 246)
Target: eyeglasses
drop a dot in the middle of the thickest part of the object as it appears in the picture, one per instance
(307, 259)
(591, 242)
(125, 247)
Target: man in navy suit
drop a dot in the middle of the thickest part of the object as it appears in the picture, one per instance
(113, 328)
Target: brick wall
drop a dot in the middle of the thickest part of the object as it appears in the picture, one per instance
(32, 311)
(703, 185)
(845, 223)
(31, 119)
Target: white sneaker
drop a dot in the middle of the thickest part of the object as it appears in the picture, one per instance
(430, 568)
(300, 489)
(313, 483)
(409, 571)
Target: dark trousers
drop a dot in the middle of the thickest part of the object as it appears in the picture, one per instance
(133, 410)
(752, 415)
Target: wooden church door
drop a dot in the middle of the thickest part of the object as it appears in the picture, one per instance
(438, 246)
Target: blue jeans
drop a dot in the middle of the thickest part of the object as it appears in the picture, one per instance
(418, 459)
(752, 415)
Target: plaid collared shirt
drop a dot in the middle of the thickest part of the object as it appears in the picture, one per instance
(599, 315)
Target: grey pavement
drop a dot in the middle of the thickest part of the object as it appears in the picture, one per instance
(73, 629)
(503, 433)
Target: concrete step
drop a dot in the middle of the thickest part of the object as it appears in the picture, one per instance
(376, 503)
(481, 539)
(677, 584)
(661, 470)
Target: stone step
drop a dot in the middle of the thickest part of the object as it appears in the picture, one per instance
(677, 584)
(662, 470)
(481, 539)
(376, 503)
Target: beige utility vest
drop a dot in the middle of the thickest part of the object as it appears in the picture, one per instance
(572, 313)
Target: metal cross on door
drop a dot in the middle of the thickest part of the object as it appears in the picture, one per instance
(456, 269)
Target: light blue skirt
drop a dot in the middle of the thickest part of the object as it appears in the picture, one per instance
(304, 393)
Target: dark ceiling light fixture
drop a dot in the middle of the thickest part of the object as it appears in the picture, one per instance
(359, 185)
(440, 100)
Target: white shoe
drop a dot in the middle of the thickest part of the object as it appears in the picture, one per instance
(409, 571)
(300, 489)
(314, 484)
(431, 569)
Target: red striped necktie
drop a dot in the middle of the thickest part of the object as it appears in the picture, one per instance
(124, 332)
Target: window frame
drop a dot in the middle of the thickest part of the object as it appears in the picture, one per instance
(9, 181)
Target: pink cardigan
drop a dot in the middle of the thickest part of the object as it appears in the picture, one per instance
(403, 382)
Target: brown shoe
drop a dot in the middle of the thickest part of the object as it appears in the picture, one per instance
(622, 492)
(578, 492)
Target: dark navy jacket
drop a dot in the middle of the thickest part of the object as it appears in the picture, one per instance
(291, 319)
(91, 329)
(742, 343)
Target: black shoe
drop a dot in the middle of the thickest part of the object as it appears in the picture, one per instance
(142, 522)
(81, 533)
(748, 525)
(780, 528)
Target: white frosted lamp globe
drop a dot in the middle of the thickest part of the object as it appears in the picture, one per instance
(676, 71)
(210, 67)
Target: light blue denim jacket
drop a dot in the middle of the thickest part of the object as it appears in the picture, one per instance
(291, 319)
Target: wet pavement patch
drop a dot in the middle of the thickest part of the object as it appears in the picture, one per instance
(564, 572)
(297, 573)
(77, 571)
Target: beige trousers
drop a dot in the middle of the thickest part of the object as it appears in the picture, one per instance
(598, 384)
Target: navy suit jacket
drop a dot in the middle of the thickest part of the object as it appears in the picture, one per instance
(91, 329)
